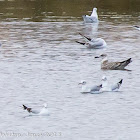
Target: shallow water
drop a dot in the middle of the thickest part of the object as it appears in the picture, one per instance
(40, 62)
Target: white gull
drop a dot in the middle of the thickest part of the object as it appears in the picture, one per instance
(92, 89)
(94, 43)
(92, 18)
(44, 111)
(106, 87)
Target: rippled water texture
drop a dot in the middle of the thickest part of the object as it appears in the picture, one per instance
(41, 62)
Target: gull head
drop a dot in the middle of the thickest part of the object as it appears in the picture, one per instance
(82, 82)
(95, 9)
(101, 56)
(45, 105)
(104, 78)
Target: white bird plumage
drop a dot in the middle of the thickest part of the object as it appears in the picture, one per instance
(136, 27)
(103, 87)
(93, 18)
(107, 87)
(90, 89)
(94, 43)
(44, 111)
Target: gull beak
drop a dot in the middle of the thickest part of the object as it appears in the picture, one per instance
(80, 84)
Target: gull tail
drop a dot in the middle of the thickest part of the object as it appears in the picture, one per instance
(126, 62)
(80, 42)
(120, 81)
(89, 39)
(115, 87)
(101, 86)
(25, 107)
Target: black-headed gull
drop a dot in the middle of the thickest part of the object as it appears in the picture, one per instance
(105, 64)
(43, 111)
(92, 18)
(106, 87)
(92, 89)
(94, 43)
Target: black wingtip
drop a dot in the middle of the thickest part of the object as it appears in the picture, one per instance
(80, 42)
(129, 60)
(24, 107)
(121, 81)
(101, 86)
(136, 26)
(81, 34)
(85, 36)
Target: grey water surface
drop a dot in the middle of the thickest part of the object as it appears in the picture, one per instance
(40, 62)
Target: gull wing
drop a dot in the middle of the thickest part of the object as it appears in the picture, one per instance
(116, 65)
(88, 38)
(30, 110)
(35, 111)
(122, 65)
(93, 19)
(96, 88)
(89, 19)
(27, 108)
(117, 85)
(80, 42)
(95, 45)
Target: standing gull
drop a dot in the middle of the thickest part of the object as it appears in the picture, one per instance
(93, 18)
(105, 64)
(94, 43)
(93, 89)
(43, 111)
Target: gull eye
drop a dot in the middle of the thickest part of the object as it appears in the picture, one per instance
(103, 55)
(84, 82)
